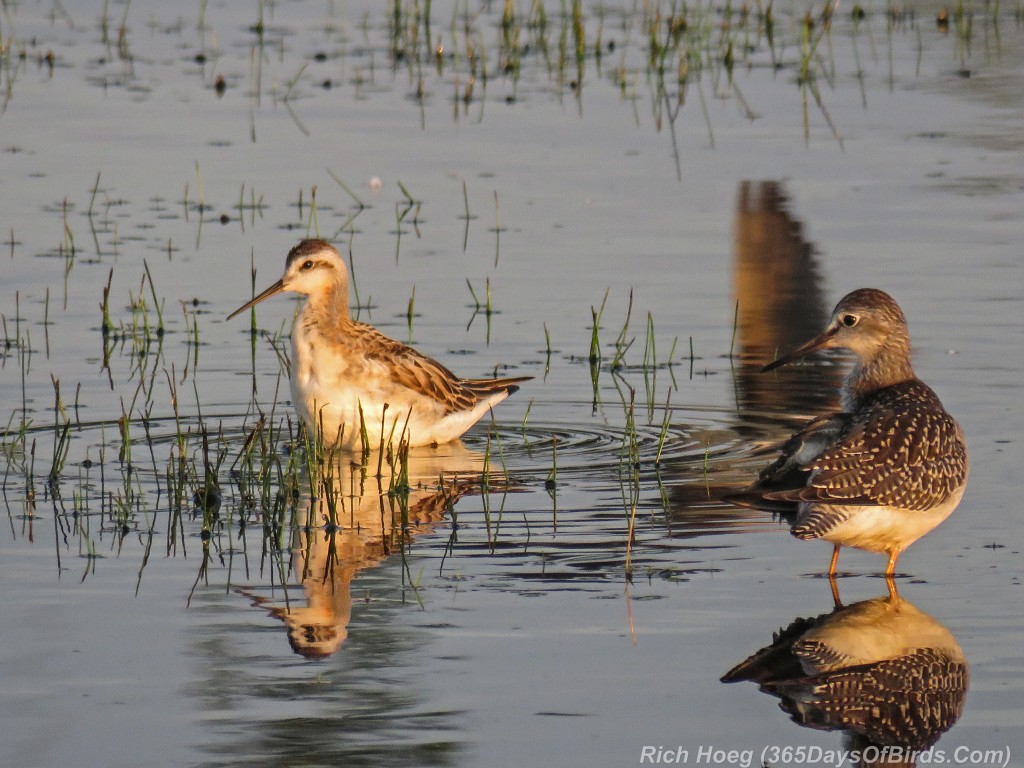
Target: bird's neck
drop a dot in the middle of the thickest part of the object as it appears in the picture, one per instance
(328, 308)
(888, 367)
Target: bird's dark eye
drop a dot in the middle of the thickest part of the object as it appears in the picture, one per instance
(307, 265)
(849, 320)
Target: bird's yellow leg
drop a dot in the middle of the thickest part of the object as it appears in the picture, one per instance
(890, 569)
(835, 560)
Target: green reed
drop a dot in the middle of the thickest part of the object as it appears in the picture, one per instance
(490, 527)
(398, 485)
(466, 216)
(811, 67)
(665, 424)
(359, 205)
(485, 307)
(547, 350)
(207, 492)
(595, 328)
(254, 206)
(402, 210)
(107, 326)
(313, 223)
(623, 342)
(551, 481)
(61, 429)
(525, 420)
(410, 311)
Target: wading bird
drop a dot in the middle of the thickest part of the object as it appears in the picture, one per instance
(356, 388)
(891, 466)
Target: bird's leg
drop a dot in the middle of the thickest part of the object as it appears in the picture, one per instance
(835, 559)
(890, 569)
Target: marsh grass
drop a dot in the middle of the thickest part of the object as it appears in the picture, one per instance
(547, 350)
(595, 356)
(145, 469)
(254, 206)
(674, 56)
(485, 308)
(402, 210)
(61, 438)
(619, 364)
(668, 53)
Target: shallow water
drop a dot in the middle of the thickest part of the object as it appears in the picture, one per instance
(500, 628)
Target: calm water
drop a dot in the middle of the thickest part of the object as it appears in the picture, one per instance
(502, 628)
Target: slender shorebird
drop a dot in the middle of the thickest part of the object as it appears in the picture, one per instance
(887, 469)
(353, 386)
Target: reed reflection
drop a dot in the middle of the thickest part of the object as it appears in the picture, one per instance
(358, 520)
(882, 671)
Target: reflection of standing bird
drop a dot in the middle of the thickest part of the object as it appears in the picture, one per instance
(350, 382)
(892, 465)
(881, 670)
(352, 523)
(328, 557)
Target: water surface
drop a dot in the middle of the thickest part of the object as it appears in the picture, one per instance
(500, 627)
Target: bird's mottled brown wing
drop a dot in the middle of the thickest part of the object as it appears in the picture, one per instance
(416, 371)
(901, 450)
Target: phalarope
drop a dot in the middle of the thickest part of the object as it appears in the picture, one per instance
(352, 383)
(892, 465)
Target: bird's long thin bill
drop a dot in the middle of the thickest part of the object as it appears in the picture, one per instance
(271, 291)
(814, 344)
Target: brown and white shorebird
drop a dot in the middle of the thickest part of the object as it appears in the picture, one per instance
(352, 383)
(887, 469)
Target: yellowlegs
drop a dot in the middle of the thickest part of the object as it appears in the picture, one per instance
(352, 383)
(892, 465)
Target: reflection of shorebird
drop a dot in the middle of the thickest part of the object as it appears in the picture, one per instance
(885, 672)
(892, 465)
(356, 522)
(349, 380)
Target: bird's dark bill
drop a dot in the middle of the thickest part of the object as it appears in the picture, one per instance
(273, 290)
(804, 349)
